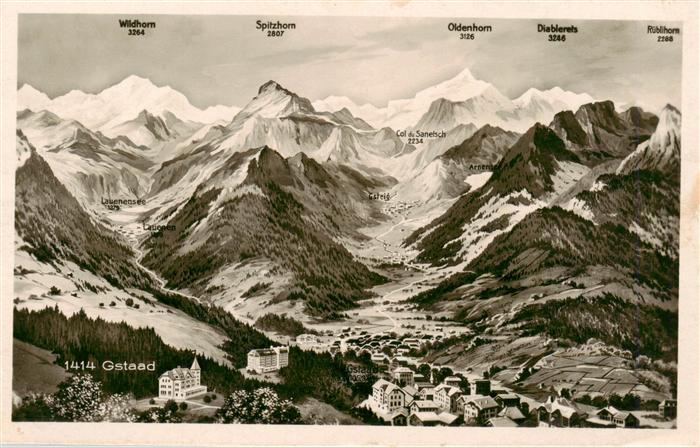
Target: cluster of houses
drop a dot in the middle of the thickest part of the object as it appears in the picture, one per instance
(409, 399)
(317, 343)
(406, 398)
(399, 207)
(383, 348)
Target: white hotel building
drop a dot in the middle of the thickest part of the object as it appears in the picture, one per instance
(181, 383)
(268, 359)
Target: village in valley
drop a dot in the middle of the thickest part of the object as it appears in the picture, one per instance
(407, 392)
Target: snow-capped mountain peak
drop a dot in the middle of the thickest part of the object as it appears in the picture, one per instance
(462, 99)
(120, 103)
(459, 88)
(405, 113)
(132, 83)
(30, 98)
(555, 97)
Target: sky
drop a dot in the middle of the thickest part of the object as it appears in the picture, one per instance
(224, 59)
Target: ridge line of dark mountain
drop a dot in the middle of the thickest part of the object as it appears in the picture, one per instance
(273, 226)
(519, 179)
(51, 234)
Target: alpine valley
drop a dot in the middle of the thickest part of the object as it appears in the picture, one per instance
(533, 241)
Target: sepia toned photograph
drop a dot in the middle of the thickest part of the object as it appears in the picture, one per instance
(340, 220)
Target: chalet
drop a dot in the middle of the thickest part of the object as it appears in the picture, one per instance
(181, 383)
(399, 417)
(432, 419)
(507, 400)
(560, 412)
(612, 417)
(480, 408)
(423, 406)
(667, 408)
(625, 419)
(447, 397)
(427, 412)
(266, 360)
(512, 413)
(426, 392)
(396, 417)
(388, 396)
(602, 418)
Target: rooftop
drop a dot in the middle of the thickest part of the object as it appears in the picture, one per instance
(502, 422)
(512, 413)
(483, 402)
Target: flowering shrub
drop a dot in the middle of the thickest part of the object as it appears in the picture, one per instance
(78, 399)
(164, 415)
(116, 408)
(260, 406)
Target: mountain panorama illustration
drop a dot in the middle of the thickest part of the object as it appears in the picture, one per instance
(455, 258)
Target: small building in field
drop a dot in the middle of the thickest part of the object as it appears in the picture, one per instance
(625, 419)
(306, 339)
(181, 383)
(668, 408)
(267, 360)
(612, 417)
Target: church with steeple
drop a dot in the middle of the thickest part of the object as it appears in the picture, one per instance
(181, 383)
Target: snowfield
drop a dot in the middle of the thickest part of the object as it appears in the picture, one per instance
(474, 240)
(32, 291)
